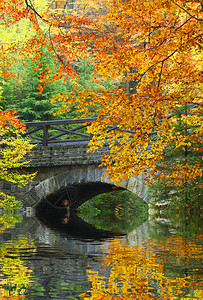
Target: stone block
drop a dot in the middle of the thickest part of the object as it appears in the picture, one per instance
(98, 174)
(131, 184)
(33, 194)
(29, 201)
(143, 191)
(82, 174)
(91, 173)
(140, 185)
(124, 184)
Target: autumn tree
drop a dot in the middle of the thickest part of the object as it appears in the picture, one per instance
(152, 48)
(12, 150)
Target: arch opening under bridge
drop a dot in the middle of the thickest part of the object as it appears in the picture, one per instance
(77, 184)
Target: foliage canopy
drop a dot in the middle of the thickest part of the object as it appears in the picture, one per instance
(153, 49)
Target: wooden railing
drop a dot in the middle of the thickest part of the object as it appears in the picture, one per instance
(72, 131)
(51, 132)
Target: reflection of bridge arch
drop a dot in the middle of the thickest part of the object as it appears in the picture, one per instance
(62, 258)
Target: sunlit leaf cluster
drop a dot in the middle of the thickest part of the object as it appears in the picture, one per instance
(13, 148)
(9, 219)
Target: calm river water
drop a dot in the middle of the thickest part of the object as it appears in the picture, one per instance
(74, 261)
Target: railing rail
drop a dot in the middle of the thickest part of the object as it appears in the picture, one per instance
(49, 132)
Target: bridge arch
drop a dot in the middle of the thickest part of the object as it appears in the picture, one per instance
(78, 176)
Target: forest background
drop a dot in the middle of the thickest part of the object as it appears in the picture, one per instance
(136, 65)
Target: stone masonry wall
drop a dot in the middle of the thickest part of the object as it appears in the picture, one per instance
(60, 155)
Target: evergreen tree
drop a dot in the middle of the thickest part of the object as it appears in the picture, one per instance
(22, 92)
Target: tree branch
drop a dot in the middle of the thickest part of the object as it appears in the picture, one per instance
(162, 65)
(185, 10)
(183, 23)
(200, 3)
(160, 61)
(30, 6)
(52, 45)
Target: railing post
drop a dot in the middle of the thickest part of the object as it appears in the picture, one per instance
(45, 135)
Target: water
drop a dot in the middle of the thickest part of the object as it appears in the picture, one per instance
(63, 261)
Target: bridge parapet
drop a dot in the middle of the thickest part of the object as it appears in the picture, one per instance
(64, 155)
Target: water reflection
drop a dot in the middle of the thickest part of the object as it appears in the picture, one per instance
(118, 211)
(75, 226)
(39, 261)
(56, 270)
(167, 270)
(15, 272)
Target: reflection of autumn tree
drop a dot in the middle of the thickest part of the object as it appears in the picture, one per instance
(14, 274)
(181, 259)
(138, 273)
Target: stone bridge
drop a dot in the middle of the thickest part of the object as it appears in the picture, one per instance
(64, 166)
